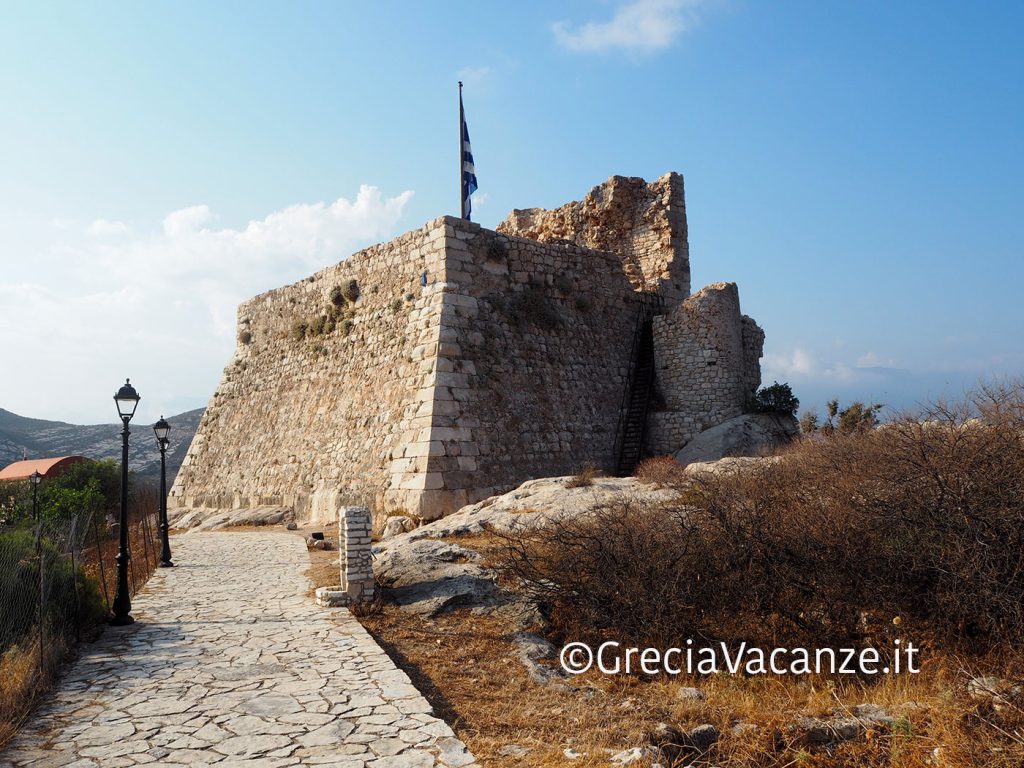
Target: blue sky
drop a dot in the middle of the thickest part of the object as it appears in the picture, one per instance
(856, 167)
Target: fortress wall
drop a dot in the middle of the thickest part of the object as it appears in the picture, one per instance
(312, 422)
(753, 348)
(470, 362)
(534, 343)
(706, 354)
(644, 223)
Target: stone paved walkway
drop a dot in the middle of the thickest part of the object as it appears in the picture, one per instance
(230, 663)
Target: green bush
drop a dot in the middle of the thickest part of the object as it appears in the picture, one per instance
(299, 330)
(351, 290)
(19, 589)
(90, 486)
(778, 398)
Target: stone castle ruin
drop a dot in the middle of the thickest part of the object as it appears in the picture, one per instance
(455, 362)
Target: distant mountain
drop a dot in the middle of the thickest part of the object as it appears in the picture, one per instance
(96, 441)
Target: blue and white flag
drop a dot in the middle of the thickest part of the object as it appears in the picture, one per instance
(468, 169)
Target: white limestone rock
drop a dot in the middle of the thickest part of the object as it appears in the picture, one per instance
(752, 434)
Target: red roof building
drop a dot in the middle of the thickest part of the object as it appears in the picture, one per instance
(22, 470)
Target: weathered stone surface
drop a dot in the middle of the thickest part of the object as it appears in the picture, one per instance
(397, 524)
(752, 434)
(842, 725)
(690, 694)
(233, 665)
(217, 519)
(429, 577)
(533, 649)
(634, 756)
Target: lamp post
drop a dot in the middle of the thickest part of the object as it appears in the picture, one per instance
(161, 429)
(127, 400)
(35, 478)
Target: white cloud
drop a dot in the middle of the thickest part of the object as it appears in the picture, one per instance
(640, 26)
(874, 360)
(160, 305)
(103, 228)
(796, 362)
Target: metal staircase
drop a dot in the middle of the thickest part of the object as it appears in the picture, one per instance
(636, 400)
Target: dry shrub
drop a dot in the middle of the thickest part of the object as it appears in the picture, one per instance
(20, 672)
(661, 470)
(921, 519)
(584, 478)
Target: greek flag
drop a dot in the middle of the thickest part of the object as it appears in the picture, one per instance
(468, 174)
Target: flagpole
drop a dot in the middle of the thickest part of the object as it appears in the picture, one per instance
(462, 121)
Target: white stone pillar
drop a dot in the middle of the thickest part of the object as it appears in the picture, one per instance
(356, 560)
(356, 557)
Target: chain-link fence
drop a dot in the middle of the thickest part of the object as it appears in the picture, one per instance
(58, 578)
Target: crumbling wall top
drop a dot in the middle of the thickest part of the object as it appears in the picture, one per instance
(643, 223)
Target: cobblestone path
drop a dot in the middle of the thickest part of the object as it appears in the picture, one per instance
(230, 663)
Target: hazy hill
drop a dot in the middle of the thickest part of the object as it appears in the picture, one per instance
(96, 441)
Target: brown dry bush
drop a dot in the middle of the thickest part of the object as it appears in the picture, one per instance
(661, 470)
(922, 518)
(584, 478)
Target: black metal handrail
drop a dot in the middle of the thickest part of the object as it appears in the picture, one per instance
(650, 305)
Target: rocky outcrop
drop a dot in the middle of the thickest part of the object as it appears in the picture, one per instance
(430, 577)
(428, 571)
(203, 519)
(752, 434)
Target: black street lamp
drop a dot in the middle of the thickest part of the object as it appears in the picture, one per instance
(127, 400)
(162, 429)
(35, 478)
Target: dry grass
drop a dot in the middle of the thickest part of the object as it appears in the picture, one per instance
(922, 520)
(19, 670)
(465, 666)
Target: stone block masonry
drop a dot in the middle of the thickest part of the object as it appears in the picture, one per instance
(355, 526)
(707, 366)
(455, 362)
(323, 389)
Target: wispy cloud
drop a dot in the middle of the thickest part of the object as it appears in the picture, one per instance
(639, 26)
(103, 228)
(114, 306)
